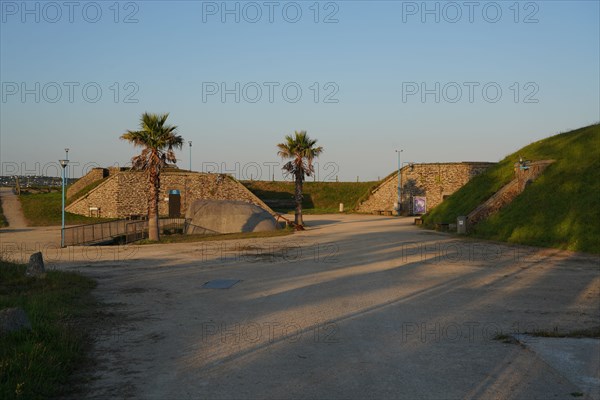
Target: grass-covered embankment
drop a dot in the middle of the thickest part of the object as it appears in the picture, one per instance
(561, 209)
(3, 221)
(45, 209)
(86, 190)
(319, 197)
(37, 364)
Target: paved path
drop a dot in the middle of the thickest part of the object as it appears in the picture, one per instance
(18, 241)
(355, 307)
(11, 206)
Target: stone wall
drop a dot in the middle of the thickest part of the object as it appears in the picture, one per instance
(433, 181)
(94, 175)
(125, 193)
(103, 197)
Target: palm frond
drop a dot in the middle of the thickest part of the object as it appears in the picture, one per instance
(300, 149)
(158, 140)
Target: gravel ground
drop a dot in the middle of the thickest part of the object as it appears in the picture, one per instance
(355, 307)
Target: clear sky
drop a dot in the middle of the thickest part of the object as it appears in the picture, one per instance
(444, 81)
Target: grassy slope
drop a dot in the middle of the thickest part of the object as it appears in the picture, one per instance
(37, 364)
(86, 190)
(3, 221)
(319, 197)
(561, 209)
(44, 209)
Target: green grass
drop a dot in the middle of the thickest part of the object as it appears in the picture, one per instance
(504, 338)
(319, 197)
(593, 332)
(210, 238)
(40, 189)
(44, 209)
(3, 221)
(561, 209)
(37, 364)
(580, 333)
(86, 190)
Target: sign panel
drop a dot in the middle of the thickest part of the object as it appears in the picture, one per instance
(419, 205)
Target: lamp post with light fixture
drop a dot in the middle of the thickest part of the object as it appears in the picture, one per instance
(67, 158)
(63, 164)
(190, 143)
(399, 207)
(411, 166)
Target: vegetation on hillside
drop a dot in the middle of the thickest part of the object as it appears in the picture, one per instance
(85, 190)
(45, 209)
(560, 209)
(37, 364)
(319, 197)
(3, 221)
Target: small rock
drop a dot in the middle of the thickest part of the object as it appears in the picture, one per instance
(36, 265)
(12, 320)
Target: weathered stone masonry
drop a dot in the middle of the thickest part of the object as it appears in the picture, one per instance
(94, 175)
(125, 193)
(434, 181)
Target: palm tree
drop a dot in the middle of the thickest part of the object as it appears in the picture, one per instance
(158, 141)
(301, 150)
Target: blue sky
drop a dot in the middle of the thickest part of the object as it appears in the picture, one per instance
(496, 76)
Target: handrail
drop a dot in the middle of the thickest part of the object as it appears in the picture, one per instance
(105, 231)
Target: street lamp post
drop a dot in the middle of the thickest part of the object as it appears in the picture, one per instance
(67, 170)
(399, 182)
(411, 166)
(63, 164)
(190, 142)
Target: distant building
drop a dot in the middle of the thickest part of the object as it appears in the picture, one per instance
(122, 193)
(422, 185)
(27, 181)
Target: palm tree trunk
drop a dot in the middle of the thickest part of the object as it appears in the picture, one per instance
(298, 196)
(153, 231)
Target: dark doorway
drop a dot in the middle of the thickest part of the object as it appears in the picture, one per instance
(174, 204)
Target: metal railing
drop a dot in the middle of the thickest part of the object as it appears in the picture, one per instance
(94, 233)
(130, 231)
(138, 230)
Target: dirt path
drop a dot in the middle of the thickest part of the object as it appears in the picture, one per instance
(12, 209)
(355, 307)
